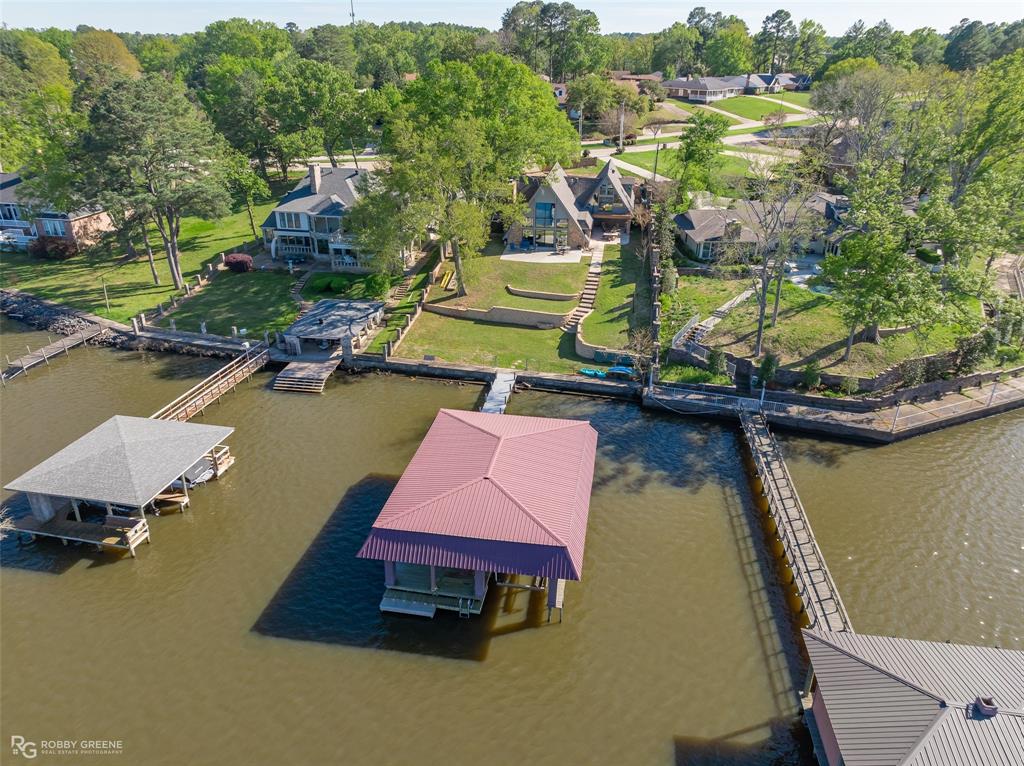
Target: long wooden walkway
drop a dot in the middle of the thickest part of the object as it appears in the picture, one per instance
(499, 392)
(199, 397)
(818, 593)
(62, 345)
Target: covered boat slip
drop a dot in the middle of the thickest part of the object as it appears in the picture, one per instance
(122, 468)
(487, 501)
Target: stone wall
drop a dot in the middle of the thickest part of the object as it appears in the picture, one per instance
(541, 320)
(541, 295)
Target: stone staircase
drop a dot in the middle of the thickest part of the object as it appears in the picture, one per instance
(589, 293)
(296, 292)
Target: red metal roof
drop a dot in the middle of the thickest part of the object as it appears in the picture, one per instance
(503, 493)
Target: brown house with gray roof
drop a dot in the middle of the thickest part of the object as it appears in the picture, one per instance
(563, 210)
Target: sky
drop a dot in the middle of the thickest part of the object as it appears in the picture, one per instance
(615, 15)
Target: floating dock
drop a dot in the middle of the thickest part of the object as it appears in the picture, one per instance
(306, 377)
(499, 392)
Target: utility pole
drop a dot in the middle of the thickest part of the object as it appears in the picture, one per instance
(657, 151)
(622, 126)
(352, 11)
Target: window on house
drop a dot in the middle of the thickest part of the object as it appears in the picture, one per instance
(289, 220)
(326, 224)
(54, 228)
(545, 214)
(10, 213)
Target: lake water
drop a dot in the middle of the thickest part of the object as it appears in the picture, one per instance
(248, 633)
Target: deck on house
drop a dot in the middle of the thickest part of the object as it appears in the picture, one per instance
(43, 355)
(818, 593)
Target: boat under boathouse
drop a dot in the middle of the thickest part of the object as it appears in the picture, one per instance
(486, 497)
(97, 489)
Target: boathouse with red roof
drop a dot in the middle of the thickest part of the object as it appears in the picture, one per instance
(485, 498)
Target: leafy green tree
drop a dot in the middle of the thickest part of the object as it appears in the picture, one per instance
(970, 46)
(847, 67)
(326, 102)
(159, 54)
(590, 95)
(927, 47)
(809, 47)
(675, 49)
(698, 155)
(245, 185)
(776, 38)
(99, 54)
(148, 148)
(730, 51)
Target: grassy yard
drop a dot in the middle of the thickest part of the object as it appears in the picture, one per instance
(667, 164)
(256, 301)
(800, 98)
(706, 294)
(79, 282)
(487, 275)
(760, 129)
(685, 373)
(351, 287)
(809, 328)
(463, 341)
(395, 316)
(751, 107)
(701, 108)
(615, 311)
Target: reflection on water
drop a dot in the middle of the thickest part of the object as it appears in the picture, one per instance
(254, 634)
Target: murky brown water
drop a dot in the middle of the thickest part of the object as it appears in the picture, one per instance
(248, 633)
(14, 336)
(925, 538)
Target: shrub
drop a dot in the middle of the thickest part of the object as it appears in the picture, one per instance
(973, 349)
(811, 376)
(339, 284)
(238, 262)
(769, 366)
(52, 248)
(716, 362)
(377, 285)
(849, 386)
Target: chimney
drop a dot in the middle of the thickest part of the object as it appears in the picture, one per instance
(314, 178)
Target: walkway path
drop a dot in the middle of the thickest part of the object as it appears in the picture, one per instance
(43, 355)
(888, 424)
(586, 304)
(818, 593)
(719, 314)
(499, 392)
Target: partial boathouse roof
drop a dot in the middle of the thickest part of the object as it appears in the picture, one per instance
(125, 461)
(502, 493)
(901, 702)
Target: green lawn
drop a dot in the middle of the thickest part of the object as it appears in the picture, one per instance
(352, 287)
(487, 275)
(685, 373)
(256, 301)
(78, 282)
(809, 327)
(667, 165)
(706, 294)
(702, 108)
(622, 275)
(800, 98)
(491, 345)
(760, 128)
(751, 107)
(395, 315)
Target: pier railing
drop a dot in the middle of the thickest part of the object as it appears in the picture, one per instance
(200, 396)
(814, 584)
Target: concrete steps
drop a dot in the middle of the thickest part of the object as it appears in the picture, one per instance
(587, 297)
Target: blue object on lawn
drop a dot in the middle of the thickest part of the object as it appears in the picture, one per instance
(590, 372)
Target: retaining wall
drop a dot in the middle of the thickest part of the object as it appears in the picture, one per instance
(541, 320)
(541, 295)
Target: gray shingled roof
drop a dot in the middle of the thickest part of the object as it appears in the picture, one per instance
(900, 701)
(331, 319)
(338, 191)
(709, 225)
(125, 461)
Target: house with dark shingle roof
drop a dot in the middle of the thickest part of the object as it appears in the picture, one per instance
(878, 701)
(706, 90)
(24, 218)
(564, 209)
(309, 222)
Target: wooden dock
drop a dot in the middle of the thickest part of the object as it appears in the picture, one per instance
(817, 591)
(199, 397)
(306, 377)
(62, 345)
(125, 533)
(499, 392)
